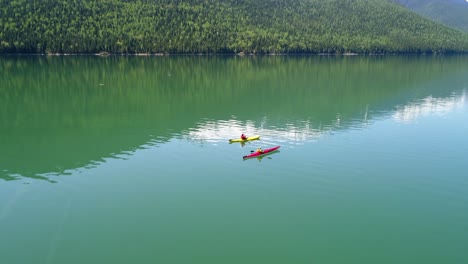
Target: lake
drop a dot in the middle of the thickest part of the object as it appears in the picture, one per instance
(125, 159)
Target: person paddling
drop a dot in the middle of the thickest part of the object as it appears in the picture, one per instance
(259, 150)
(243, 136)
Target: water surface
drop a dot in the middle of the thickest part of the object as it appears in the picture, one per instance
(127, 160)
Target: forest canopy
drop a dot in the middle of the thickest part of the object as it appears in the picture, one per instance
(220, 26)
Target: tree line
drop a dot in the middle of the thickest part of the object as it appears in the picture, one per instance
(220, 26)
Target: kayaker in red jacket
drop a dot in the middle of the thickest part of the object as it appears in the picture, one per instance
(244, 137)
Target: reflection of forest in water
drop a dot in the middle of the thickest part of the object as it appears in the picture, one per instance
(61, 113)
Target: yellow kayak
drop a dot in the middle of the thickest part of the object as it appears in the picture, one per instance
(244, 140)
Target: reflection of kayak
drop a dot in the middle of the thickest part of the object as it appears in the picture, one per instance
(244, 140)
(257, 154)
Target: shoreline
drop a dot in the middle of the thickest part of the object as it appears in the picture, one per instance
(229, 54)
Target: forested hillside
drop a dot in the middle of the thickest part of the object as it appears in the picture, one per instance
(453, 13)
(220, 26)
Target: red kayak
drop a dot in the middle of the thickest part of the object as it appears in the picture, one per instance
(258, 154)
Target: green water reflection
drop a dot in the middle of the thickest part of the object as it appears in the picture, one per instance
(371, 168)
(62, 113)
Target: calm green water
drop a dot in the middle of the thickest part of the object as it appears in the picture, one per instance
(126, 160)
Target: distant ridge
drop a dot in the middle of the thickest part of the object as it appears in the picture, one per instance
(453, 13)
(227, 27)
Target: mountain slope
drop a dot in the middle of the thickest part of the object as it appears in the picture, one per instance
(453, 13)
(229, 26)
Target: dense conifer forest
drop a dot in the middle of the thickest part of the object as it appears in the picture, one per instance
(220, 26)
